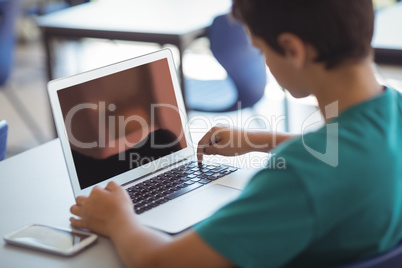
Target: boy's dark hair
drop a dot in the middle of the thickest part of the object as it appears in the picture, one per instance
(338, 29)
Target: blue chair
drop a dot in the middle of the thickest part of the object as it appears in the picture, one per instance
(9, 10)
(244, 64)
(389, 259)
(3, 138)
(8, 16)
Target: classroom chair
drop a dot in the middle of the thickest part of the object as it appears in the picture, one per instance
(9, 10)
(245, 67)
(389, 259)
(3, 138)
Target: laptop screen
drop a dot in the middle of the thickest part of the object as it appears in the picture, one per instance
(121, 121)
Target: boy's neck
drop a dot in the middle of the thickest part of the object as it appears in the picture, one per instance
(349, 85)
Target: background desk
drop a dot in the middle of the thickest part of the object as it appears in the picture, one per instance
(176, 22)
(387, 40)
(35, 188)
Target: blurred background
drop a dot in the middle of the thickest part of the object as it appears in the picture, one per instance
(28, 74)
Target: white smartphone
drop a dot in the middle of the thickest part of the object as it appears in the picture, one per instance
(55, 240)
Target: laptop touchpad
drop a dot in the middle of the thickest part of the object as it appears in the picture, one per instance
(190, 209)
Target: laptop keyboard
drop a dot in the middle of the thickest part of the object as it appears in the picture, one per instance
(174, 183)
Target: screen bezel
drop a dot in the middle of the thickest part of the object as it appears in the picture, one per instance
(55, 85)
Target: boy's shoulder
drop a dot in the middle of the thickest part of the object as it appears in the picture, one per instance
(357, 149)
(364, 131)
(361, 145)
(348, 159)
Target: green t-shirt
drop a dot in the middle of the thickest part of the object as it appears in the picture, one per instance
(335, 198)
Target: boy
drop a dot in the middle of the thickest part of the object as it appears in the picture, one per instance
(339, 197)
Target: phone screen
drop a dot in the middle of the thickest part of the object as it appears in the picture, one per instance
(47, 237)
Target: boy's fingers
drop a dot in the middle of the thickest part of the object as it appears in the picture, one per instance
(211, 138)
(76, 210)
(77, 223)
(80, 200)
(211, 149)
(111, 186)
(204, 142)
(205, 149)
(201, 151)
(200, 155)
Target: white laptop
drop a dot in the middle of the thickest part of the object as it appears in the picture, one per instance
(126, 122)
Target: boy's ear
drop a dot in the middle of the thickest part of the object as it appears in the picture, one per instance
(294, 48)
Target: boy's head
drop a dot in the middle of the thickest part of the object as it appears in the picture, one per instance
(338, 30)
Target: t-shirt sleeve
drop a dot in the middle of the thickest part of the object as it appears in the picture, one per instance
(270, 223)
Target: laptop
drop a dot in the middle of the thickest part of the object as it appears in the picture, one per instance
(127, 123)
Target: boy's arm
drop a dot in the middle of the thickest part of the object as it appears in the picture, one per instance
(230, 142)
(147, 248)
(109, 212)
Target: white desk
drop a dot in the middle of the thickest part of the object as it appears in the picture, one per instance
(35, 188)
(387, 39)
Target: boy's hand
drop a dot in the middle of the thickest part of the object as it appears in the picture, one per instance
(109, 212)
(225, 141)
(104, 210)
